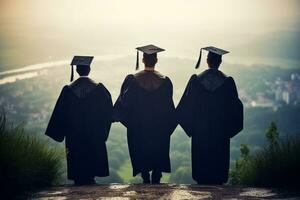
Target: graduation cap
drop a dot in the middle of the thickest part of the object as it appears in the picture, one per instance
(212, 51)
(149, 50)
(82, 61)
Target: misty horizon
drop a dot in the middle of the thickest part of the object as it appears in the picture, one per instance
(38, 31)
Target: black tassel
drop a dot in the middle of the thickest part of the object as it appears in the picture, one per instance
(137, 60)
(199, 60)
(72, 73)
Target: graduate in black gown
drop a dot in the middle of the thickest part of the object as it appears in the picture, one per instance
(145, 107)
(82, 116)
(211, 113)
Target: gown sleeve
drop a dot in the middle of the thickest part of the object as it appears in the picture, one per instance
(186, 107)
(235, 120)
(172, 118)
(107, 109)
(56, 126)
(121, 107)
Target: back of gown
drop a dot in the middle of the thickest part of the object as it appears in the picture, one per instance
(146, 108)
(82, 116)
(211, 113)
(154, 104)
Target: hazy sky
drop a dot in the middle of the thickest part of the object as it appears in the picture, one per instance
(34, 30)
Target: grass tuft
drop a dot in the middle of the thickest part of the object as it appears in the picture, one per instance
(276, 165)
(26, 163)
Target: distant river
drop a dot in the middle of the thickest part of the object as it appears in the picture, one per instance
(30, 71)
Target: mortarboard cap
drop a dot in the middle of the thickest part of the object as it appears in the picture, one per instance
(149, 50)
(211, 50)
(82, 61)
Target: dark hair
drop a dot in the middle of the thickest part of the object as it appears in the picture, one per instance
(214, 59)
(83, 70)
(150, 59)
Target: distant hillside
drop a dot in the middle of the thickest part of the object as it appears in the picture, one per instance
(284, 44)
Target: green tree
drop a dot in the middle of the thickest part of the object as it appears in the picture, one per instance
(239, 168)
(245, 151)
(272, 135)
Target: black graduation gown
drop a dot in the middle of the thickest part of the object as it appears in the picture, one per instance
(83, 119)
(150, 120)
(211, 113)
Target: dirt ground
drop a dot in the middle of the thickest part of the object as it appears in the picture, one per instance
(161, 191)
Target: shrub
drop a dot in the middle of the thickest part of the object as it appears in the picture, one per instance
(25, 162)
(276, 165)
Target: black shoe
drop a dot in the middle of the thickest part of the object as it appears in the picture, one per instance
(146, 177)
(156, 176)
(146, 181)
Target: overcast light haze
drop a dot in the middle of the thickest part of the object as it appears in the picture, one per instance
(35, 31)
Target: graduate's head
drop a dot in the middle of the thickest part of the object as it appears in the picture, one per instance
(83, 64)
(213, 60)
(149, 55)
(150, 60)
(214, 57)
(83, 70)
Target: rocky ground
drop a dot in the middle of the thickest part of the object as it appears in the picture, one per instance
(162, 191)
